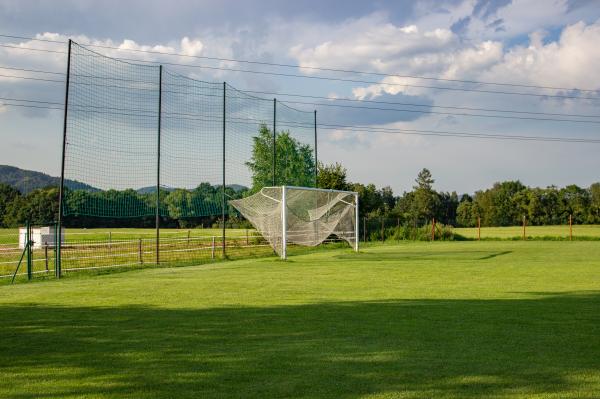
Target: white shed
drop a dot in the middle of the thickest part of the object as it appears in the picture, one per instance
(41, 236)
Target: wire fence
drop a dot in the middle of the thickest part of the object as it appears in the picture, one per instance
(97, 250)
(381, 229)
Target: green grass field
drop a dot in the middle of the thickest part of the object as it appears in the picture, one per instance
(532, 232)
(486, 319)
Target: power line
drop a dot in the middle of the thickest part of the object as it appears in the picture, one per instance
(317, 104)
(326, 69)
(321, 97)
(322, 77)
(353, 128)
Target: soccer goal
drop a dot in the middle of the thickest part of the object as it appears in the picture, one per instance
(301, 215)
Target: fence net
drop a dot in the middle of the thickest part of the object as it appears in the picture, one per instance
(141, 137)
(132, 128)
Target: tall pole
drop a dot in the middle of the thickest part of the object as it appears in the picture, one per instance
(283, 223)
(356, 223)
(223, 188)
(61, 190)
(274, 141)
(316, 159)
(158, 166)
(28, 243)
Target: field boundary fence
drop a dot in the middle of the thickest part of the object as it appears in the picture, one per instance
(381, 229)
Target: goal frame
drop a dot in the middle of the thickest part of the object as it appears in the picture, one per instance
(284, 214)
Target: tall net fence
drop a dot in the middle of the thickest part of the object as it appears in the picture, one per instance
(149, 148)
(111, 142)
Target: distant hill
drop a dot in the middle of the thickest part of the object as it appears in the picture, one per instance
(28, 180)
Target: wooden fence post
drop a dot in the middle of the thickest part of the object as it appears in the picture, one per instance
(570, 227)
(524, 227)
(140, 253)
(46, 255)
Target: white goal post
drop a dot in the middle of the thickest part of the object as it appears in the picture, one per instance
(304, 216)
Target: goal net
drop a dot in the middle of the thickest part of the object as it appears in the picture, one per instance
(302, 216)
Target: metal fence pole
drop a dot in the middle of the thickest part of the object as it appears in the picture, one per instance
(223, 188)
(364, 228)
(157, 216)
(28, 244)
(356, 223)
(62, 167)
(274, 141)
(283, 223)
(316, 159)
(55, 250)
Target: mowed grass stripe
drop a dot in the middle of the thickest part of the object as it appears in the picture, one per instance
(445, 320)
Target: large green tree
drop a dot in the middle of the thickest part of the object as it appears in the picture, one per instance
(8, 195)
(294, 161)
(332, 176)
(425, 200)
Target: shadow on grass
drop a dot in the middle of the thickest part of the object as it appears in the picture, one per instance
(422, 348)
(413, 255)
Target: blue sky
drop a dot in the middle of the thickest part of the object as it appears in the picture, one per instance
(541, 43)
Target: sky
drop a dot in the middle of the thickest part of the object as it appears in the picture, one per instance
(550, 44)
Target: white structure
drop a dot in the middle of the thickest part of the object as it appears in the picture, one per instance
(40, 236)
(301, 215)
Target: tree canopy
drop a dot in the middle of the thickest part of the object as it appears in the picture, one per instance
(294, 161)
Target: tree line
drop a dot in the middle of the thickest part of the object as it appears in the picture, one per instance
(503, 204)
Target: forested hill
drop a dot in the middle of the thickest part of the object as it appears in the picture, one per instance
(28, 180)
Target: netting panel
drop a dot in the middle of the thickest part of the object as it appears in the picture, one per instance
(296, 158)
(111, 139)
(249, 132)
(191, 146)
(112, 163)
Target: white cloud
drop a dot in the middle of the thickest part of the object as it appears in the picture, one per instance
(572, 61)
(369, 43)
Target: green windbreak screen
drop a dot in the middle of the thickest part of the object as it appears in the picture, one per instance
(116, 155)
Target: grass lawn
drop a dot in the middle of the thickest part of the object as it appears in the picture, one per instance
(417, 320)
